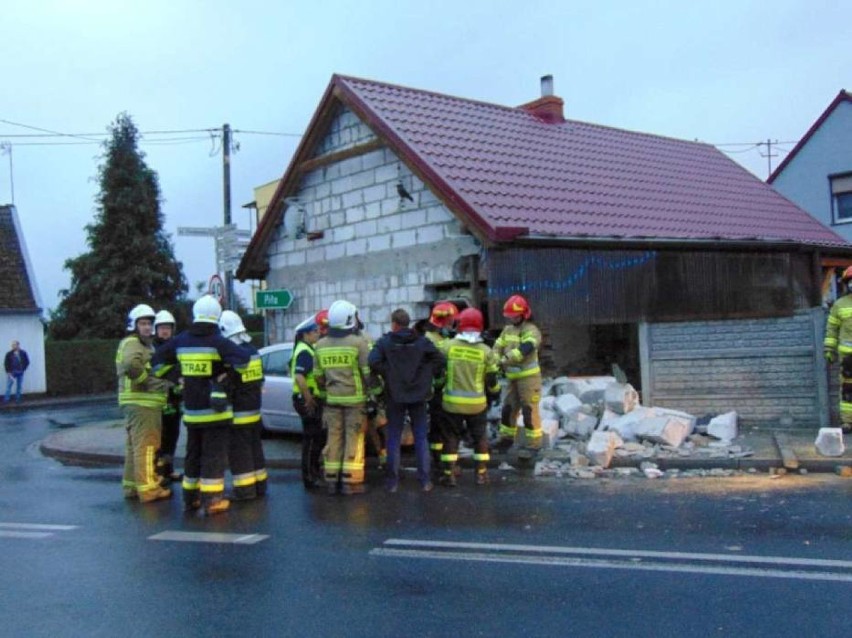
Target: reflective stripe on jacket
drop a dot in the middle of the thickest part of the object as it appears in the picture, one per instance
(512, 338)
(341, 365)
(467, 367)
(135, 384)
(838, 326)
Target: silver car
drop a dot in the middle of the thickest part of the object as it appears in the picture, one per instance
(277, 407)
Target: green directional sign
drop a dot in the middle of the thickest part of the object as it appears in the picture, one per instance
(273, 299)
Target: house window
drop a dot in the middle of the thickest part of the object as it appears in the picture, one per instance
(841, 196)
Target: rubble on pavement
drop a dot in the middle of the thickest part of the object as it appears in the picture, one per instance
(596, 426)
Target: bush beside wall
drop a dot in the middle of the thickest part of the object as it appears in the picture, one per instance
(82, 366)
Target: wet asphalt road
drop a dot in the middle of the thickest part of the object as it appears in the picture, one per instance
(748, 556)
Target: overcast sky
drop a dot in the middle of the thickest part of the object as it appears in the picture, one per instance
(724, 72)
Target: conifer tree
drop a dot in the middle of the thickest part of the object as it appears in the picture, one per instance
(131, 258)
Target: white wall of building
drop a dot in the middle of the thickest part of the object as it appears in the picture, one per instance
(29, 331)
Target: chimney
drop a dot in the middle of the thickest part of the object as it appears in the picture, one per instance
(548, 107)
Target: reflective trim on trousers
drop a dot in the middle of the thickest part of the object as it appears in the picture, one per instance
(212, 486)
(508, 430)
(245, 480)
(190, 484)
(449, 458)
(484, 456)
(260, 475)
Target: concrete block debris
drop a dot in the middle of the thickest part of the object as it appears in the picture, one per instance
(829, 442)
(621, 398)
(724, 426)
(601, 447)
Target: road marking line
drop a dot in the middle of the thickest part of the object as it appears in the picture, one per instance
(25, 534)
(593, 551)
(209, 537)
(60, 528)
(610, 564)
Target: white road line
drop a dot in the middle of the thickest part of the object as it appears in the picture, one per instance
(60, 528)
(25, 534)
(209, 537)
(611, 564)
(629, 553)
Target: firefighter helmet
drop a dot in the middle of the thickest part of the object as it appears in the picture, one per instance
(308, 325)
(515, 307)
(470, 320)
(342, 314)
(443, 314)
(847, 274)
(230, 324)
(163, 317)
(140, 311)
(322, 321)
(206, 310)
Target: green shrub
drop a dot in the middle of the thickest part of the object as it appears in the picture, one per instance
(80, 366)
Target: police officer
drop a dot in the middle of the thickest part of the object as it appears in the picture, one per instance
(307, 400)
(245, 385)
(342, 370)
(142, 398)
(203, 356)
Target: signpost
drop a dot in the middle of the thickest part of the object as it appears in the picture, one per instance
(273, 299)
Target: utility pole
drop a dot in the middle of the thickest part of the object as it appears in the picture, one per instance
(226, 187)
(769, 154)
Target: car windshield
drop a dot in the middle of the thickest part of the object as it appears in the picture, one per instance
(277, 363)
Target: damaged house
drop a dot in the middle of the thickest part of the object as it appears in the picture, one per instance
(661, 255)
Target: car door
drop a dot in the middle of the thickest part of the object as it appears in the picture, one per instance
(277, 406)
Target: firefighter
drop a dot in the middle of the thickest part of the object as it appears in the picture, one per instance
(517, 349)
(142, 398)
(377, 417)
(245, 385)
(438, 328)
(322, 322)
(307, 399)
(342, 370)
(164, 329)
(838, 339)
(203, 356)
(471, 384)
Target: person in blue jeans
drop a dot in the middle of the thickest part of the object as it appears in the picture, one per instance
(407, 362)
(16, 363)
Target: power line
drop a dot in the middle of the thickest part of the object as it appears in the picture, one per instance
(44, 130)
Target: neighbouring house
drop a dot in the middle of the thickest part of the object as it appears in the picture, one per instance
(817, 174)
(20, 304)
(660, 255)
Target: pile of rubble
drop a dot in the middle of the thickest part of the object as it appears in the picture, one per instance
(596, 427)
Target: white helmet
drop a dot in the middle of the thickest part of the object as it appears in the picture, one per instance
(164, 317)
(206, 310)
(230, 324)
(342, 314)
(141, 311)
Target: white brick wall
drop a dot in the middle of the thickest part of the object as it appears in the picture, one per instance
(378, 251)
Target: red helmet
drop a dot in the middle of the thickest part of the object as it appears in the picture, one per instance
(470, 320)
(847, 274)
(322, 321)
(516, 306)
(443, 314)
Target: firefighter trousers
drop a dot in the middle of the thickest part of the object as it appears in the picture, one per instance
(313, 441)
(241, 459)
(206, 462)
(522, 395)
(143, 440)
(344, 452)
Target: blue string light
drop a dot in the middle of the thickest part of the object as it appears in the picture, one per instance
(574, 278)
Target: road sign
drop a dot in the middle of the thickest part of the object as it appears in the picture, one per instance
(273, 299)
(216, 287)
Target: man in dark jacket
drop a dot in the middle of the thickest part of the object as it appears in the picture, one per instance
(408, 362)
(16, 363)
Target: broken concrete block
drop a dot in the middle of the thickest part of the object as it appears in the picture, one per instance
(601, 447)
(829, 442)
(559, 386)
(662, 429)
(566, 404)
(625, 424)
(587, 389)
(547, 403)
(650, 470)
(621, 398)
(724, 426)
(579, 425)
(578, 460)
(550, 430)
(688, 419)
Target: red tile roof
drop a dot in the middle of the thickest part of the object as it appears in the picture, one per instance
(510, 174)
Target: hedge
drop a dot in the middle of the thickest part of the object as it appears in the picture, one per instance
(87, 366)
